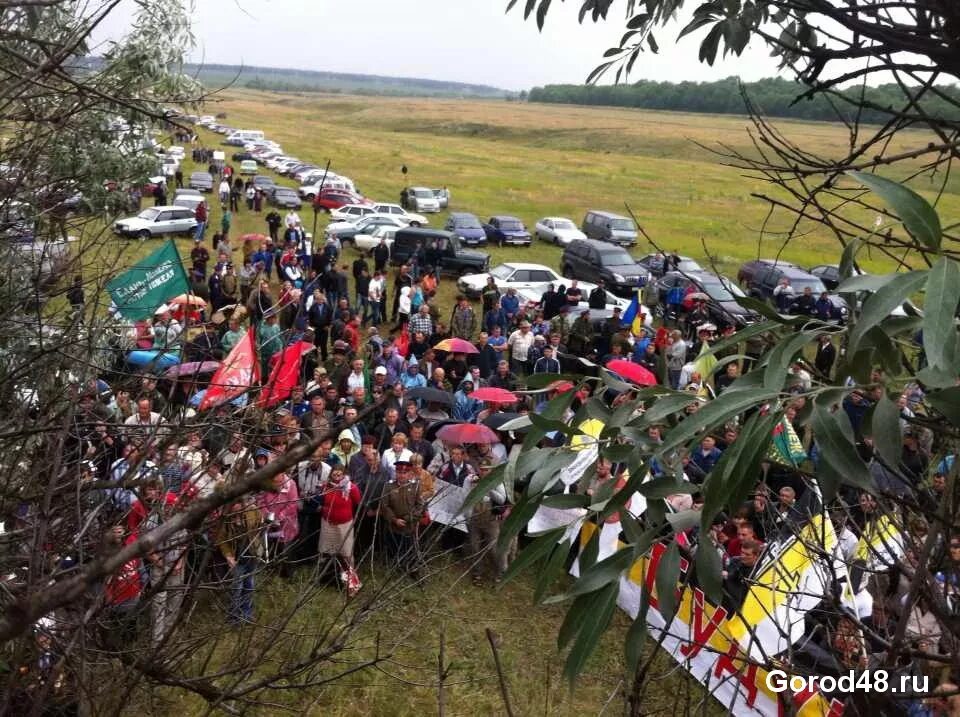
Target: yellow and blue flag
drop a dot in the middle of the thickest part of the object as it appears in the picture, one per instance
(633, 316)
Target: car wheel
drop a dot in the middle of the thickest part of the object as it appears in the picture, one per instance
(144, 234)
(415, 224)
(556, 241)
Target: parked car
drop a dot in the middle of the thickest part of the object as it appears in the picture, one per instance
(514, 275)
(331, 199)
(264, 183)
(242, 156)
(414, 220)
(285, 197)
(176, 151)
(557, 230)
(503, 229)
(188, 198)
(654, 263)
(829, 274)
(765, 280)
(442, 249)
(351, 212)
(157, 221)
(248, 166)
(609, 227)
(370, 237)
(169, 166)
(533, 294)
(443, 197)
(419, 199)
(723, 293)
(310, 189)
(202, 181)
(747, 270)
(345, 231)
(590, 260)
(467, 227)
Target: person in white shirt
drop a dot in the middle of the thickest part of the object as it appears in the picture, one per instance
(144, 423)
(356, 379)
(292, 220)
(375, 297)
(397, 451)
(520, 342)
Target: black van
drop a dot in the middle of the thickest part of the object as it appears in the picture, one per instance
(442, 250)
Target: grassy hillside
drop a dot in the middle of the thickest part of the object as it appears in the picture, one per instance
(535, 160)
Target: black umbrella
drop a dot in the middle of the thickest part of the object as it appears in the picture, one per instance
(431, 395)
(495, 420)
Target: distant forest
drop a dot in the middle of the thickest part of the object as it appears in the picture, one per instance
(293, 80)
(774, 97)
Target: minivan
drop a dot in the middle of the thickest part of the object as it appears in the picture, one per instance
(241, 136)
(609, 227)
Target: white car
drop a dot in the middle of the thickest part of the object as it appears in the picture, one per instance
(157, 221)
(367, 242)
(358, 226)
(275, 162)
(414, 220)
(420, 199)
(532, 296)
(176, 151)
(350, 213)
(518, 275)
(170, 166)
(310, 190)
(557, 230)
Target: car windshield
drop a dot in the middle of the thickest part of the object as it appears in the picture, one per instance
(719, 291)
(689, 265)
(423, 193)
(616, 258)
(467, 223)
(813, 282)
(625, 225)
(511, 225)
(563, 224)
(501, 272)
(285, 193)
(148, 214)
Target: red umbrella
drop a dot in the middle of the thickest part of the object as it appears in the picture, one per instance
(494, 395)
(467, 433)
(254, 237)
(560, 386)
(456, 346)
(635, 373)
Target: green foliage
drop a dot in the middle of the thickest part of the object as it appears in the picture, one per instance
(915, 212)
(775, 97)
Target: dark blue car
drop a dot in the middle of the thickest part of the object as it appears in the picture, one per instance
(467, 227)
(506, 230)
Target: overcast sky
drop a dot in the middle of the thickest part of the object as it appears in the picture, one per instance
(457, 40)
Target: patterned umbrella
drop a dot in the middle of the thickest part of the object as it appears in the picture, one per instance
(467, 433)
(456, 346)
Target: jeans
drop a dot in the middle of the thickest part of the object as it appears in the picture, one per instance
(241, 591)
(375, 313)
(200, 231)
(363, 308)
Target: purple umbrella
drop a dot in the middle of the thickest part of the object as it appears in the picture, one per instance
(194, 368)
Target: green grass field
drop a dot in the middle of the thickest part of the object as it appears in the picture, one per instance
(534, 160)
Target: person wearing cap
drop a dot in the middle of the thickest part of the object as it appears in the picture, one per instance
(199, 256)
(166, 330)
(560, 324)
(402, 509)
(581, 334)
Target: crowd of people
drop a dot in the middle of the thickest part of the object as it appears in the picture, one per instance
(381, 382)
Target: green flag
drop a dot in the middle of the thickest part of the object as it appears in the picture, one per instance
(140, 290)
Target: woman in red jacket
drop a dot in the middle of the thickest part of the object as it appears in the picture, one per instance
(340, 499)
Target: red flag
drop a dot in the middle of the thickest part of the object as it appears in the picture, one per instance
(239, 371)
(284, 375)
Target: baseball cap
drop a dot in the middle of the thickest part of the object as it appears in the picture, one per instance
(380, 371)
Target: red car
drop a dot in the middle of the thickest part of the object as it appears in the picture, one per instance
(335, 198)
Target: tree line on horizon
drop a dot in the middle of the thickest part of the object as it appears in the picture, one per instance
(774, 97)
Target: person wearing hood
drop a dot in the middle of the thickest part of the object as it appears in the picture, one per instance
(465, 408)
(404, 307)
(412, 378)
(346, 447)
